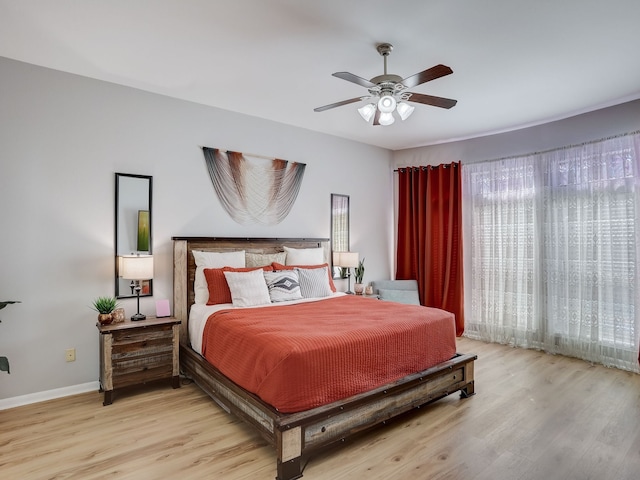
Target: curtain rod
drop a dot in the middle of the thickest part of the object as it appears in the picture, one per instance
(566, 147)
(430, 167)
(589, 142)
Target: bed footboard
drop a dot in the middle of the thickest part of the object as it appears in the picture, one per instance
(296, 436)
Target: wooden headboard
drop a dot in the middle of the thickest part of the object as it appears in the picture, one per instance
(184, 266)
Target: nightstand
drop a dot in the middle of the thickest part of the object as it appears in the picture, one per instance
(133, 353)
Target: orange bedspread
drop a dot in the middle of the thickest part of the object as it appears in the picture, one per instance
(297, 357)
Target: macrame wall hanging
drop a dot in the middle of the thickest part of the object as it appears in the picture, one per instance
(254, 189)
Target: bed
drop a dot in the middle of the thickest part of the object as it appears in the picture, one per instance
(298, 430)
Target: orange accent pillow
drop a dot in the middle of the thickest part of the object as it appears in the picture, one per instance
(217, 283)
(278, 266)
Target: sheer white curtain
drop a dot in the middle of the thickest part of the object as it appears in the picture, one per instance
(551, 253)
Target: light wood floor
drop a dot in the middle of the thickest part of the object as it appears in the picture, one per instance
(535, 416)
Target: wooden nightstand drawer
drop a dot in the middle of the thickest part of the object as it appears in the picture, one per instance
(133, 372)
(143, 348)
(134, 337)
(146, 342)
(132, 353)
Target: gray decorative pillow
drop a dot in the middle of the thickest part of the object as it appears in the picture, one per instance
(314, 282)
(262, 259)
(283, 285)
(410, 297)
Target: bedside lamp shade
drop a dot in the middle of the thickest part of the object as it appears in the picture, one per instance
(346, 260)
(136, 267)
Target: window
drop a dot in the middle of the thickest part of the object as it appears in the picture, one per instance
(551, 245)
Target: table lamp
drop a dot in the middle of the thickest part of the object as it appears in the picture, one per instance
(136, 268)
(346, 260)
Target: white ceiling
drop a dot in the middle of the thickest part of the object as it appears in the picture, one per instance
(516, 62)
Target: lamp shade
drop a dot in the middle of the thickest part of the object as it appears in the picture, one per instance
(136, 267)
(345, 259)
(386, 119)
(387, 103)
(404, 110)
(367, 111)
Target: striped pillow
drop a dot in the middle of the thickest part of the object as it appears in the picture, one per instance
(217, 283)
(248, 288)
(279, 266)
(283, 286)
(313, 282)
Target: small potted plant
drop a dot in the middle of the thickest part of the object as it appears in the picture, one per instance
(358, 272)
(105, 307)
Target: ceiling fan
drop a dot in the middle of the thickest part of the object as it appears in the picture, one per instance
(388, 92)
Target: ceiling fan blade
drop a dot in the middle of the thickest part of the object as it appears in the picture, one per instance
(350, 77)
(376, 118)
(431, 100)
(426, 76)
(339, 104)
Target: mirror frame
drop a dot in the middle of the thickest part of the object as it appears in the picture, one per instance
(339, 228)
(120, 284)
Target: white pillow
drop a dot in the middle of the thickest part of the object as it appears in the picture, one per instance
(283, 285)
(248, 288)
(212, 260)
(304, 256)
(314, 282)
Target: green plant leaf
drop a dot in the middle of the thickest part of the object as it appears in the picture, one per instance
(359, 271)
(8, 302)
(4, 364)
(105, 304)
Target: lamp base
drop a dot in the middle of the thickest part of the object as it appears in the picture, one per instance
(138, 316)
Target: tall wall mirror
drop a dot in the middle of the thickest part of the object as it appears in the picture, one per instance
(132, 227)
(339, 228)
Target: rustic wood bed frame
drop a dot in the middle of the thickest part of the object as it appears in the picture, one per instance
(296, 436)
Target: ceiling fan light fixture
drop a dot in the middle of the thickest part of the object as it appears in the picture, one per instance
(387, 104)
(405, 110)
(388, 92)
(386, 118)
(367, 111)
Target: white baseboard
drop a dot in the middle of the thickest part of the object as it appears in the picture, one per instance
(48, 395)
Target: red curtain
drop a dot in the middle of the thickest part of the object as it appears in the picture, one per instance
(430, 236)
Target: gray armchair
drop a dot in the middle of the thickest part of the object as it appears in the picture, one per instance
(402, 291)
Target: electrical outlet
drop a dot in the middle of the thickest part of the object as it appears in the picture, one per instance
(70, 354)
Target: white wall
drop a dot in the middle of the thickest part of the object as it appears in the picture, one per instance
(616, 120)
(62, 137)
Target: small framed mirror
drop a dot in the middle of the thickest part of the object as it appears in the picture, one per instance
(133, 216)
(339, 228)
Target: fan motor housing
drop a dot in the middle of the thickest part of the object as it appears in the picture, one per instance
(386, 79)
